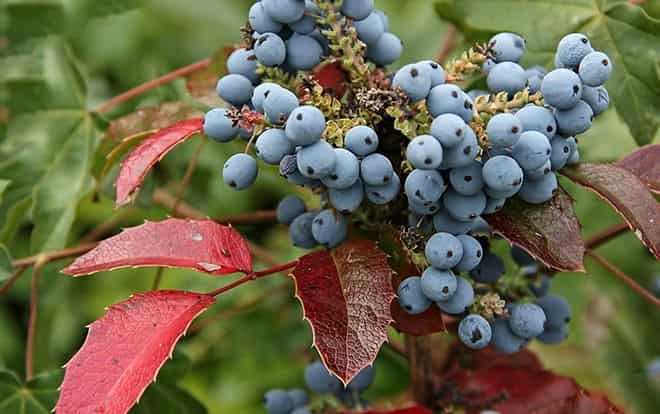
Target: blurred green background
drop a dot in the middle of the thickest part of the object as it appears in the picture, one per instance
(232, 362)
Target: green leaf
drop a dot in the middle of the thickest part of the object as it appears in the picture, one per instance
(6, 268)
(34, 18)
(37, 396)
(625, 32)
(164, 398)
(48, 151)
(97, 9)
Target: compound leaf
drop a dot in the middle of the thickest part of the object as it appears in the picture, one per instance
(645, 164)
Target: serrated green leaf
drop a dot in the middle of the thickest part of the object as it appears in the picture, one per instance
(47, 153)
(624, 31)
(37, 396)
(34, 18)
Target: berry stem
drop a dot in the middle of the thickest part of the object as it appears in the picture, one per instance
(624, 278)
(152, 84)
(253, 276)
(448, 44)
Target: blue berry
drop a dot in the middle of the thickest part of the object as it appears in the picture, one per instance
(502, 173)
(346, 171)
(371, 28)
(449, 129)
(435, 72)
(347, 200)
(535, 76)
(424, 152)
(557, 311)
(475, 93)
(450, 99)
(386, 50)
(305, 125)
(561, 88)
(289, 208)
(521, 257)
(443, 222)
(299, 397)
(532, 150)
(493, 205)
(270, 49)
(462, 154)
(260, 94)
(383, 18)
(537, 118)
(357, 9)
(317, 160)
(425, 186)
(301, 410)
(506, 77)
(572, 49)
(261, 22)
(218, 126)
(464, 208)
(539, 191)
(527, 320)
(472, 253)
(278, 103)
(575, 157)
(278, 402)
(490, 270)
(383, 194)
(242, 62)
(562, 148)
(411, 297)
(413, 81)
(303, 52)
(361, 141)
(362, 380)
(300, 231)
(284, 11)
(240, 171)
(235, 89)
(462, 298)
(423, 209)
(504, 340)
(319, 380)
(487, 66)
(507, 47)
(272, 145)
(329, 229)
(467, 180)
(576, 120)
(553, 336)
(540, 287)
(304, 26)
(376, 169)
(504, 130)
(438, 285)
(538, 173)
(480, 226)
(474, 331)
(443, 251)
(597, 98)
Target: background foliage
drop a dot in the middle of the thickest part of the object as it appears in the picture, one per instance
(63, 58)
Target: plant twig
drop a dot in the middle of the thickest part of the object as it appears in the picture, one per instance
(157, 278)
(32, 323)
(106, 227)
(145, 87)
(188, 175)
(55, 255)
(448, 44)
(624, 278)
(13, 279)
(396, 347)
(606, 235)
(254, 276)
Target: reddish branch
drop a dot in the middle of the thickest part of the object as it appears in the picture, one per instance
(13, 279)
(606, 235)
(145, 87)
(624, 278)
(448, 45)
(32, 324)
(188, 175)
(253, 276)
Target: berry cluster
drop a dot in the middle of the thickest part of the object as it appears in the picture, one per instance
(320, 381)
(423, 152)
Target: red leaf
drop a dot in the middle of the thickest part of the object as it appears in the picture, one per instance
(426, 323)
(415, 409)
(627, 194)
(201, 84)
(527, 390)
(125, 349)
(550, 232)
(645, 164)
(346, 297)
(332, 78)
(138, 163)
(203, 245)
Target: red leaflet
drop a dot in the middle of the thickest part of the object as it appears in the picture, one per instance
(138, 163)
(346, 297)
(203, 245)
(407, 410)
(332, 78)
(645, 164)
(125, 349)
(627, 194)
(526, 390)
(550, 232)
